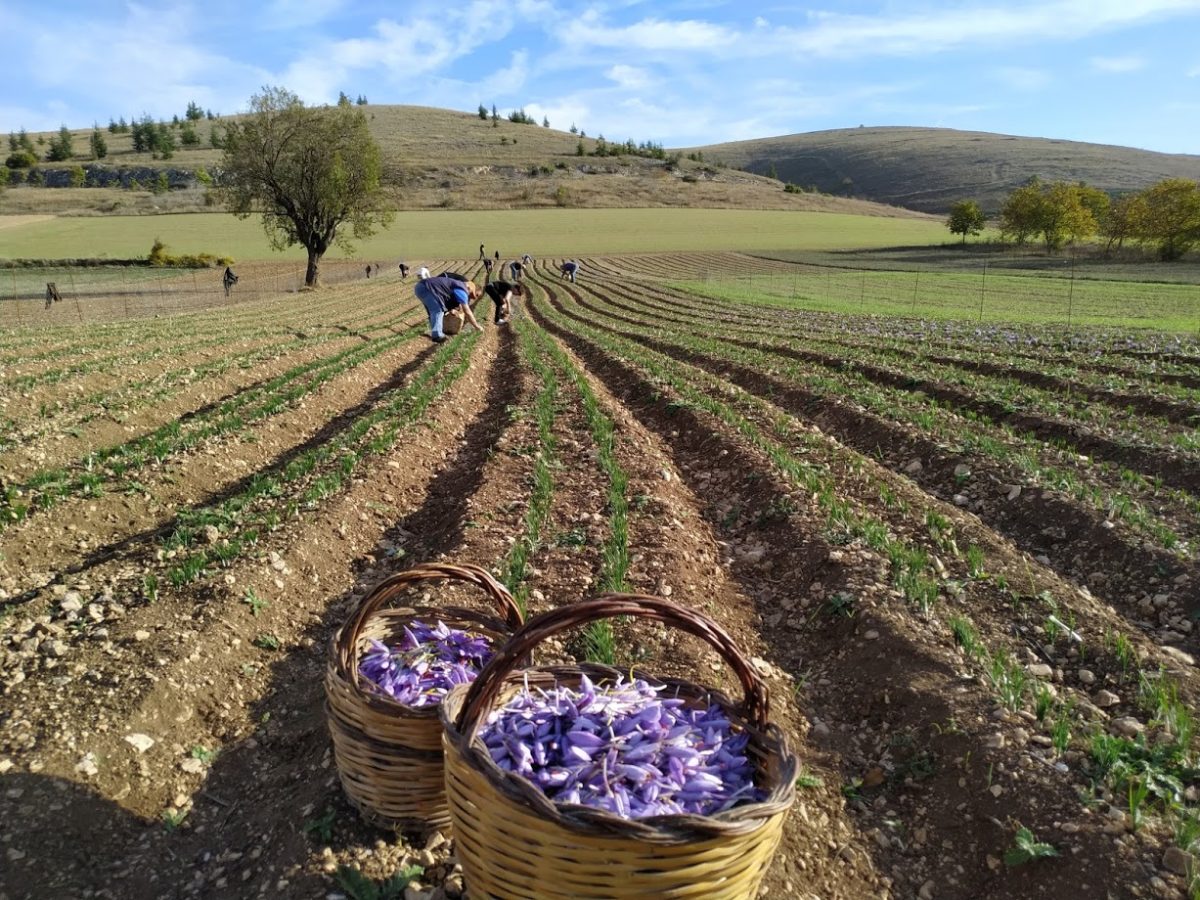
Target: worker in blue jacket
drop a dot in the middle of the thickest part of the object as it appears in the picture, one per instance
(441, 294)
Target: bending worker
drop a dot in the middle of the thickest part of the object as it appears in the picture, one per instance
(441, 294)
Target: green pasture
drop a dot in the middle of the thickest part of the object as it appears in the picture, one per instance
(453, 233)
(991, 298)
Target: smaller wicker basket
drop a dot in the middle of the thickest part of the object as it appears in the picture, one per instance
(513, 842)
(452, 322)
(389, 755)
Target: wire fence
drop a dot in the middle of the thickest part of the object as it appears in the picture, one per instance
(105, 294)
(986, 296)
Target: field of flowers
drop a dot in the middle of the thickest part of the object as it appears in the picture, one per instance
(961, 556)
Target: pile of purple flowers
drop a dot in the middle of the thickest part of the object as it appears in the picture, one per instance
(623, 748)
(428, 662)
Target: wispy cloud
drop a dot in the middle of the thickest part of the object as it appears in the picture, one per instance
(649, 34)
(1021, 79)
(630, 77)
(1117, 64)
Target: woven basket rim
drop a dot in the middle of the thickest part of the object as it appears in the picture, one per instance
(495, 629)
(679, 828)
(460, 725)
(346, 642)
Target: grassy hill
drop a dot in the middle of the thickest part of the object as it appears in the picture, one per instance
(930, 168)
(442, 159)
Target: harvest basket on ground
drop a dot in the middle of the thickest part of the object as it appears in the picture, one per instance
(514, 842)
(389, 754)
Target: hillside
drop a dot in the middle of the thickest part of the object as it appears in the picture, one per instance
(930, 168)
(440, 159)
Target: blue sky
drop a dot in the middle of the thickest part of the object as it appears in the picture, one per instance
(677, 72)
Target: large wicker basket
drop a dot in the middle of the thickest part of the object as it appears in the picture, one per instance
(513, 842)
(389, 755)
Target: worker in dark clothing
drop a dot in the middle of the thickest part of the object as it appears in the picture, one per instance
(502, 293)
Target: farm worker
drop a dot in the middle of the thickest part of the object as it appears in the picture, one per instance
(487, 267)
(569, 269)
(481, 254)
(502, 293)
(403, 271)
(440, 295)
(229, 280)
(516, 269)
(527, 259)
(422, 273)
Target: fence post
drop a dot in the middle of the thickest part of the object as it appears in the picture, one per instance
(862, 291)
(16, 302)
(982, 289)
(916, 281)
(1071, 291)
(75, 291)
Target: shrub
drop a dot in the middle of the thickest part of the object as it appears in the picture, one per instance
(21, 159)
(36, 178)
(202, 176)
(562, 197)
(60, 146)
(77, 176)
(161, 184)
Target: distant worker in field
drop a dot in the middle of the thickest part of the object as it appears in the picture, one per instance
(502, 293)
(527, 259)
(516, 270)
(487, 267)
(229, 280)
(52, 294)
(497, 256)
(403, 271)
(442, 294)
(481, 253)
(569, 269)
(368, 270)
(422, 273)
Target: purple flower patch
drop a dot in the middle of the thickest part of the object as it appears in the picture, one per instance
(428, 662)
(623, 748)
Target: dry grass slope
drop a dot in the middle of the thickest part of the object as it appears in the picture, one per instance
(930, 168)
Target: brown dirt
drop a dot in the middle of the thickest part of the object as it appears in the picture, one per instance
(919, 775)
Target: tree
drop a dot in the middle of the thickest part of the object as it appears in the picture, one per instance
(1062, 216)
(188, 136)
(194, 112)
(99, 144)
(312, 172)
(483, 113)
(545, 121)
(361, 101)
(1123, 220)
(574, 130)
(60, 146)
(1020, 214)
(966, 217)
(1172, 216)
(343, 99)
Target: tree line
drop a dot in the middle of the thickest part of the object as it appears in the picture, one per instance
(1164, 216)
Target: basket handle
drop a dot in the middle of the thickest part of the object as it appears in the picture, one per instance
(482, 694)
(388, 589)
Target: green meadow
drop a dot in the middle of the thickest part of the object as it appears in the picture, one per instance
(453, 233)
(1031, 298)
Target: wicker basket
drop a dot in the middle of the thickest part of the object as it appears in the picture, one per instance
(452, 322)
(513, 842)
(389, 755)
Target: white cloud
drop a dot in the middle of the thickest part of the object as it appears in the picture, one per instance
(760, 22)
(629, 77)
(834, 34)
(509, 80)
(1194, 72)
(649, 34)
(1117, 64)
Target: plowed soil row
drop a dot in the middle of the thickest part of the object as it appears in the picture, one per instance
(882, 689)
(644, 309)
